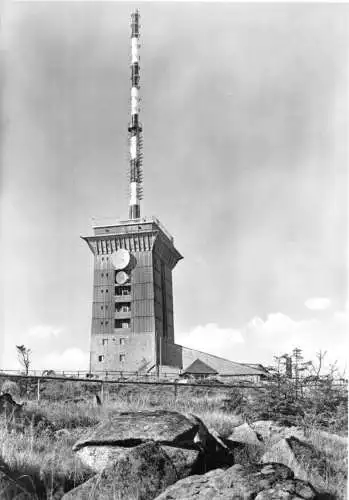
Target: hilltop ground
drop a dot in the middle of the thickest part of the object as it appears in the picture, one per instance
(39, 450)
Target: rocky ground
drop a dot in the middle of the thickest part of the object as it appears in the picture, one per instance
(161, 454)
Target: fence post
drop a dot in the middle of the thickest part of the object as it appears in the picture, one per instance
(175, 390)
(102, 392)
(38, 390)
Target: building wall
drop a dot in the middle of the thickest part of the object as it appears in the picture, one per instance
(173, 355)
(123, 352)
(140, 312)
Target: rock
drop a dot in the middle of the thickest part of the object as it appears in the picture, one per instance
(142, 472)
(8, 405)
(261, 482)
(245, 434)
(98, 458)
(9, 488)
(298, 455)
(246, 444)
(203, 487)
(243, 453)
(132, 428)
(114, 437)
(185, 461)
(271, 432)
(214, 452)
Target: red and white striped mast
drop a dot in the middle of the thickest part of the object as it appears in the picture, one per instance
(135, 128)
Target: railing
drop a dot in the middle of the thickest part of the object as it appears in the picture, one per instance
(85, 374)
(170, 377)
(36, 382)
(111, 221)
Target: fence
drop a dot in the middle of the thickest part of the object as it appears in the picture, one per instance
(38, 383)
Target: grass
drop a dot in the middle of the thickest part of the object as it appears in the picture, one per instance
(41, 459)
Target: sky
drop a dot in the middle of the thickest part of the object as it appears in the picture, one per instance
(245, 116)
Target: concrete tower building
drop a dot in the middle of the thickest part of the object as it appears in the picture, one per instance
(132, 312)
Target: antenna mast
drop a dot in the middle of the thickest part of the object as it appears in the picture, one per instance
(135, 128)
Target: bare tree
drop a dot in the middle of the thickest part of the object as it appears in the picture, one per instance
(23, 355)
(317, 368)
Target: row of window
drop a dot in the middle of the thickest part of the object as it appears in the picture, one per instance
(121, 358)
(122, 341)
(118, 323)
(119, 307)
(122, 290)
(119, 290)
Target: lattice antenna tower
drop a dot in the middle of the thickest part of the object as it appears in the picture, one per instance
(135, 127)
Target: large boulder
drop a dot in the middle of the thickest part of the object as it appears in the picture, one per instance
(306, 462)
(260, 482)
(132, 428)
(111, 439)
(141, 472)
(271, 432)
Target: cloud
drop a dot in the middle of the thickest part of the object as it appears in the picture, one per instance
(72, 359)
(259, 341)
(44, 331)
(280, 334)
(317, 303)
(211, 338)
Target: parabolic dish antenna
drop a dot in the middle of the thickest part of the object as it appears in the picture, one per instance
(121, 277)
(121, 258)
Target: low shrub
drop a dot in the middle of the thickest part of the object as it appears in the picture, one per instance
(11, 387)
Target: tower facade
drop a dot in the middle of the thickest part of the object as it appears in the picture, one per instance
(132, 310)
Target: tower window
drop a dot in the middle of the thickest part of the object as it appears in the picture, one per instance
(123, 307)
(104, 341)
(102, 290)
(102, 322)
(122, 290)
(102, 275)
(122, 358)
(106, 291)
(102, 308)
(121, 323)
(122, 341)
(101, 358)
